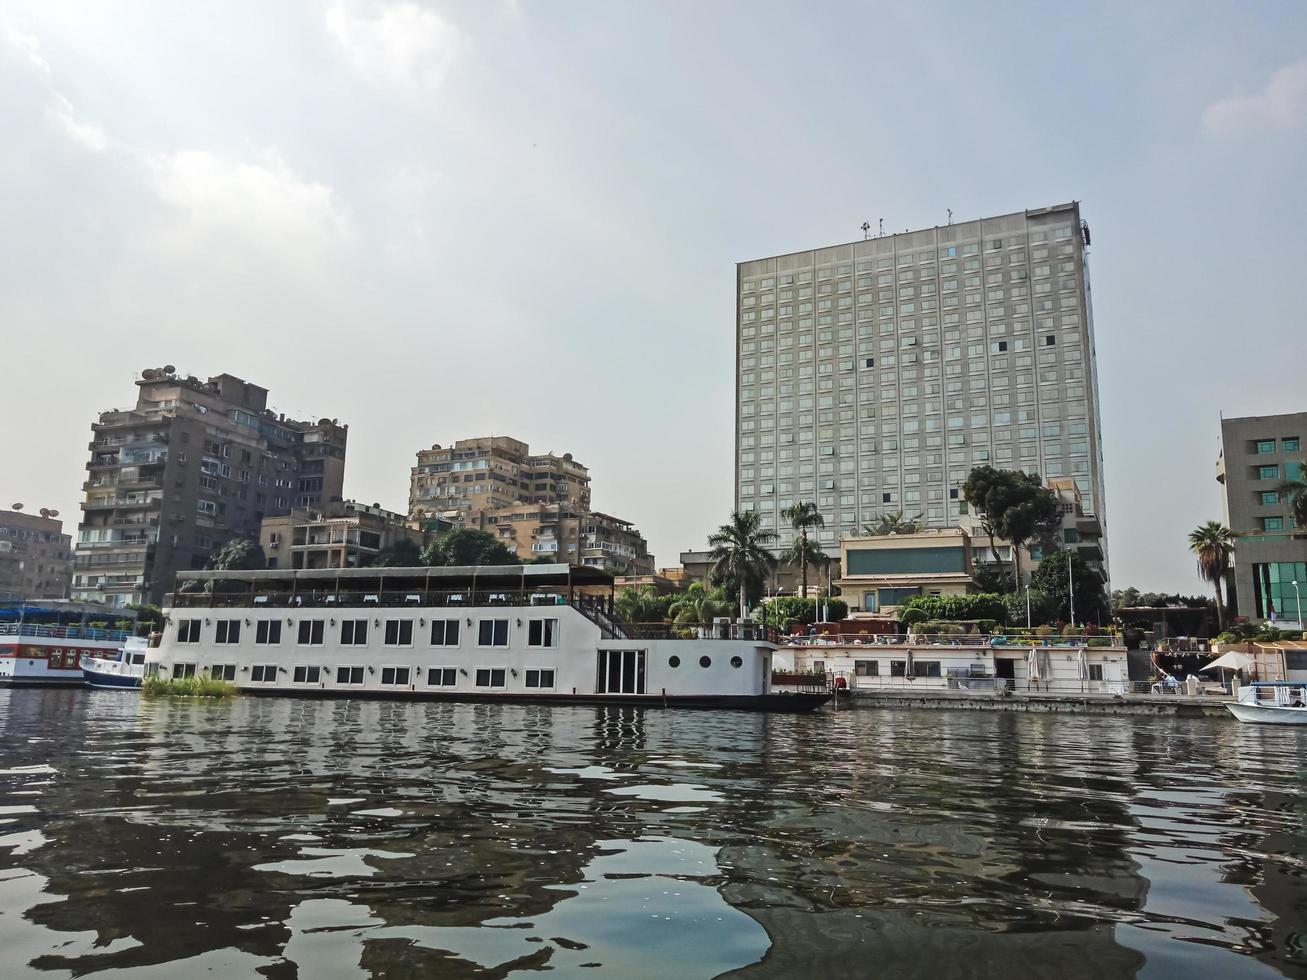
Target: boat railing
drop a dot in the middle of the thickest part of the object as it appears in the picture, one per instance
(388, 599)
(716, 631)
(974, 641)
(46, 631)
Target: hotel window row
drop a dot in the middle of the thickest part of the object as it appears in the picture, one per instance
(494, 632)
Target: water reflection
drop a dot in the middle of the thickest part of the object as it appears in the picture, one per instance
(324, 839)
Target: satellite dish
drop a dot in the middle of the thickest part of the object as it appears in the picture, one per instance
(54, 513)
(17, 506)
(149, 374)
(324, 421)
(169, 369)
(45, 512)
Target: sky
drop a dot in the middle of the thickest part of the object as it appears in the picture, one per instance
(441, 220)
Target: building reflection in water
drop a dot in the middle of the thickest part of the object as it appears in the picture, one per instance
(304, 838)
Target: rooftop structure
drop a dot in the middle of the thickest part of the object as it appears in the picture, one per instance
(36, 557)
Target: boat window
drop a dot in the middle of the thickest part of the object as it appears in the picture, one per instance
(263, 673)
(267, 631)
(353, 632)
(673, 661)
(396, 676)
(180, 671)
(223, 672)
(442, 677)
(188, 631)
(399, 632)
(229, 631)
(493, 633)
(306, 674)
(138, 658)
(620, 672)
(310, 633)
(444, 632)
(349, 675)
(491, 677)
(542, 633)
(539, 678)
(737, 662)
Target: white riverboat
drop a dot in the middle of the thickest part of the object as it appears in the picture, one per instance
(39, 655)
(486, 633)
(1272, 703)
(123, 672)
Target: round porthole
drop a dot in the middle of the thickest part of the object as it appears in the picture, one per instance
(673, 661)
(705, 661)
(737, 662)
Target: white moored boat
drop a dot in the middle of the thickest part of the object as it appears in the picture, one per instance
(485, 633)
(122, 672)
(1272, 703)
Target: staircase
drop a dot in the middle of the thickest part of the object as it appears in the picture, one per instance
(611, 628)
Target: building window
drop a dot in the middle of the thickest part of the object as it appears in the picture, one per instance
(188, 631)
(1272, 523)
(310, 633)
(307, 674)
(492, 633)
(1265, 446)
(263, 673)
(542, 633)
(444, 632)
(1290, 445)
(491, 676)
(353, 632)
(349, 675)
(396, 676)
(399, 632)
(1269, 498)
(1268, 472)
(267, 631)
(441, 677)
(539, 678)
(223, 672)
(1095, 672)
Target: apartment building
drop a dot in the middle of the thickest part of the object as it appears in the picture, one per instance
(1258, 454)
(36, 557)
(872, 376)
(345, 534)
(192, 465)
(536, 503)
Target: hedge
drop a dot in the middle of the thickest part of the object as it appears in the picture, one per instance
(799, 609)
(977, 606)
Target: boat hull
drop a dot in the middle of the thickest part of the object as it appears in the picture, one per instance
(759, 702)
(116, 682)
(1267, 715)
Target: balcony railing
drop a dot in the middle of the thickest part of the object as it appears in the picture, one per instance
(61, 632)
(947, 640)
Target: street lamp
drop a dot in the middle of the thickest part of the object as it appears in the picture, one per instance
(1297, 601)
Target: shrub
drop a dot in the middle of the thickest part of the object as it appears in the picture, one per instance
(912, 616)
(803, 609)
(980, 605)
(1045, 630)
(1070, 630)
(1099, 641)
(187, 687)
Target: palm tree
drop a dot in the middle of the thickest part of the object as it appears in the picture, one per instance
(1293, 492)
(801, 517)
(893, 523)
(1213, 543)
(698, 606)
(739, 553)
(805, 552)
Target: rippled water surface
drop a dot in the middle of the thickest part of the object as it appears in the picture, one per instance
(311, 839)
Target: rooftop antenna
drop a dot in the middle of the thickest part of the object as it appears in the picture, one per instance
(881, 225)
(950, 215)
(866, 231)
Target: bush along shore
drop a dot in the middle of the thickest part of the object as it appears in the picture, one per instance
(187, 687)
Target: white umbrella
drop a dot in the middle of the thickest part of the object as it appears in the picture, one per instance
(1234, 660)
(1032, 666)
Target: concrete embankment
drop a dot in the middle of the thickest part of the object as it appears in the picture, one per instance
(1121, 704)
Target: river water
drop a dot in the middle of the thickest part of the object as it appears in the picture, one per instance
(284, 838)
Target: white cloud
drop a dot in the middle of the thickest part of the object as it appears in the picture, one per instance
(396, 42)
(25, 50)
(234, 210)
(26, 47)
(1281, 105)
(61, 113)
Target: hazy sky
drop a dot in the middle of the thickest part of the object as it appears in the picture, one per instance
(438, 220)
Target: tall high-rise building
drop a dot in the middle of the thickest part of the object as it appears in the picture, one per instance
(1258, 455)
(538, 504)
(871, 377)
(193, 465)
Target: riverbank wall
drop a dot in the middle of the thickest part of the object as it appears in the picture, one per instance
(1041, 703)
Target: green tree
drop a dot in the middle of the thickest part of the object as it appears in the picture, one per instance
(1125, 598)
(1293, 491)
(1042, 608)
(1015, 505)
(468, 546)
(698, 605)
(1051, 579)
(802, 516)
(402, 553)
(977, 605)
(804, 552)
(784, 609)
(740, 556)
(1213, 545)
(238, 554)
(148, 617)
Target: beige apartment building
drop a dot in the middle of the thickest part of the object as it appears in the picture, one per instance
(345, 534)
(538, 504)
(192, 465)
(36, 557)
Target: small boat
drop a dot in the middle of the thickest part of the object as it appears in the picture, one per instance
(122, 672)
(1272, 703)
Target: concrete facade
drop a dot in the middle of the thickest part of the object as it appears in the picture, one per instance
(192, 465)
(871, 377)
(881, 572)
(1258, 453)
(36, 557)
(346, 534)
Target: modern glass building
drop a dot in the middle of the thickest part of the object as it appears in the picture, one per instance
(871, 377)
(1258, 454)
